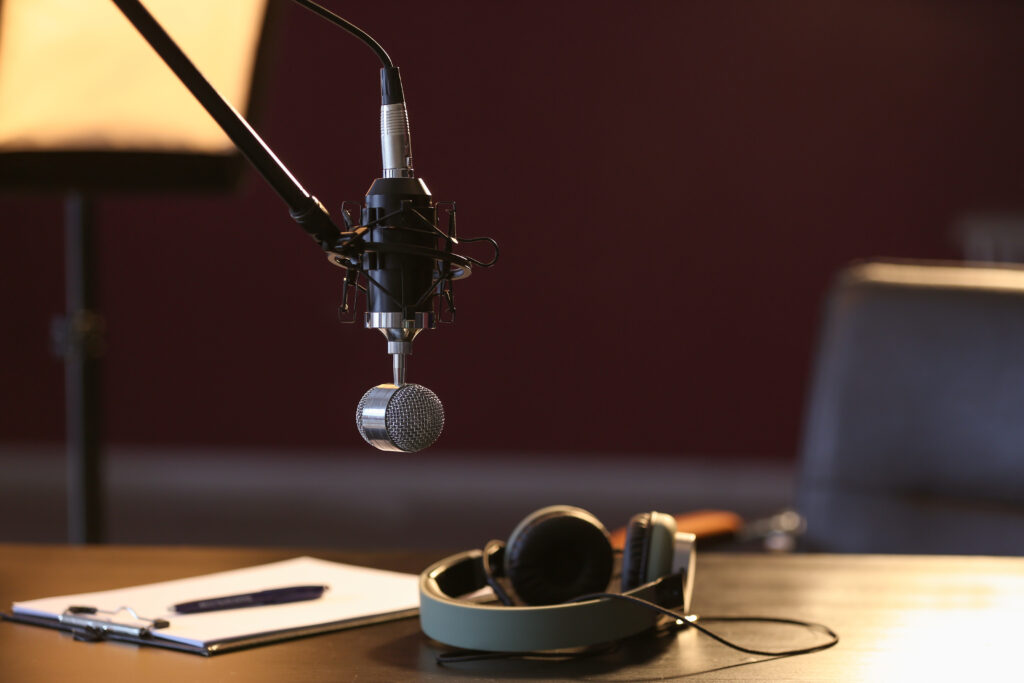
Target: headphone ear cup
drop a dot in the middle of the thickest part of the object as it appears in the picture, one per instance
(558, 553)
(647, 554)
(634, 552)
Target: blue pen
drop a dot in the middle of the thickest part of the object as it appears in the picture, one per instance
(274, 596)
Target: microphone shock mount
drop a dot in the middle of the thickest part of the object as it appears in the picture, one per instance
(402, 263)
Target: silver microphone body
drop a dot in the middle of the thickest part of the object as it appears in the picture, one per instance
(405, 418)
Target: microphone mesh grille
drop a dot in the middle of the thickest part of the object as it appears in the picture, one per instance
(413, 419)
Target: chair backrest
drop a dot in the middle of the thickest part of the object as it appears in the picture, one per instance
(914, 431)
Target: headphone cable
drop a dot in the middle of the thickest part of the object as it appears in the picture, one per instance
(684, 620)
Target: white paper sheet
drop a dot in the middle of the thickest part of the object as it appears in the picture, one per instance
(355, 593)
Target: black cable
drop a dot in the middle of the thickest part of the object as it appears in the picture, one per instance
(350, 27)
(691, 620)
(457, 656)
(833, 637)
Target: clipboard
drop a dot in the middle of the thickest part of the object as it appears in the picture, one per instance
(142, 614)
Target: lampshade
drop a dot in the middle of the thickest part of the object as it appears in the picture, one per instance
(85, 102)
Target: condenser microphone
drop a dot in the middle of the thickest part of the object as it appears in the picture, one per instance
(409, 265)
(399, 215)
(405, 418)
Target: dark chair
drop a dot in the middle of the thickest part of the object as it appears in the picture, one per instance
(914, 431)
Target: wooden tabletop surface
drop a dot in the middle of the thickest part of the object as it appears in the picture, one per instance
(899, 618)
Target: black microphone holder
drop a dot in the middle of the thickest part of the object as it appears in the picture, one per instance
(448, 266)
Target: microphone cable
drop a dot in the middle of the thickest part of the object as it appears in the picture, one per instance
(359, 33)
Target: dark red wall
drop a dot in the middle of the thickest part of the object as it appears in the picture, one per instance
(672, 185)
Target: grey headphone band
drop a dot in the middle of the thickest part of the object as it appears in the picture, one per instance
(474, 626)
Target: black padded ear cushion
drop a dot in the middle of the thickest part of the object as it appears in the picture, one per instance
(559, 556)
(636, 551)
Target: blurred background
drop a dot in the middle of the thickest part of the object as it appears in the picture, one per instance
(673, 185)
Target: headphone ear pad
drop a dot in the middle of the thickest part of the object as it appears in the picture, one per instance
(634, 552)
(558, 553)
(647, 554)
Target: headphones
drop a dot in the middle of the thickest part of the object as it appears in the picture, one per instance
(554, 560)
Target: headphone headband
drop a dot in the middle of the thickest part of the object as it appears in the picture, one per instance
(474, 626)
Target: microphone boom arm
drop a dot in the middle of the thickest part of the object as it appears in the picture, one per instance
(304, 208)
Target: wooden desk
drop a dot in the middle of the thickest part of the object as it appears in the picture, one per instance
(899, 618)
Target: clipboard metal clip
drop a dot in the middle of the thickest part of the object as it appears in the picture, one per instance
(87, 626)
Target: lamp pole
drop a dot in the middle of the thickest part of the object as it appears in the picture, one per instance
(81, 334)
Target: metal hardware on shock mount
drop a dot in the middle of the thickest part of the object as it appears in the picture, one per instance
(352, 250)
